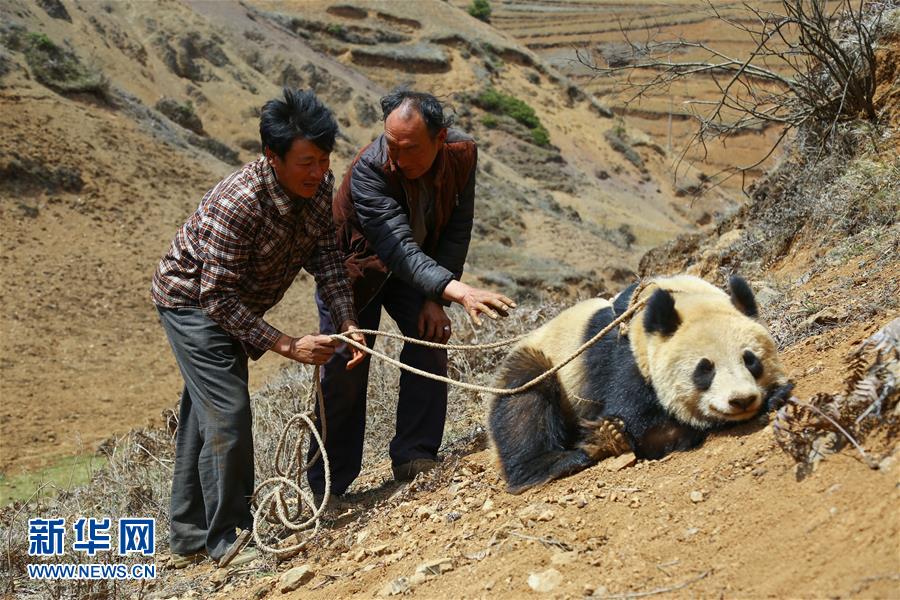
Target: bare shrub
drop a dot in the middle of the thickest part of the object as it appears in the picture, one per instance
(810, 430)
(813, 66)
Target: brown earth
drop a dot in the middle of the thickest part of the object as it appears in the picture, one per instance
(555, 30)
(731, 519)
(734, 518)
(81, 354)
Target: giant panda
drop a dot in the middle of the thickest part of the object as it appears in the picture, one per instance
(693, 359)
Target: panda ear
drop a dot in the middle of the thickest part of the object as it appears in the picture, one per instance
(742, 296)
(660, 315)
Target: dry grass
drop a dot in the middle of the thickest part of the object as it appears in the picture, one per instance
(137, 477)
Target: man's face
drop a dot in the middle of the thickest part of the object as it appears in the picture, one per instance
(410, 146)
(302, 169)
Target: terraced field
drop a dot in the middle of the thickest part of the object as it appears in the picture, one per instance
(556, 29)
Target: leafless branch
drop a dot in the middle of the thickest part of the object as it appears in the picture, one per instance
(809, 66)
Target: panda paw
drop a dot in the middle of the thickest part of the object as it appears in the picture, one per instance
(604, 438)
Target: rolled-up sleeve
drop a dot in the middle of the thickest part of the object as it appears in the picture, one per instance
(225, 237)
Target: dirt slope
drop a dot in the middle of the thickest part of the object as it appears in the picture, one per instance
(554, 30)
(94, 184)
(734, 518)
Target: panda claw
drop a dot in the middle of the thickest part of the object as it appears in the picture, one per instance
(604, 438)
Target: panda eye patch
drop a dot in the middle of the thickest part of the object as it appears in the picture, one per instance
(753, 364)
(704, 373)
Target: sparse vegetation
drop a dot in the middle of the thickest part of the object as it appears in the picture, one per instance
(498, 102)
(489, 121)
(813, 66)
(481, 10)
(181, 113)
(136, 476)
(61, 70)
(336, 30)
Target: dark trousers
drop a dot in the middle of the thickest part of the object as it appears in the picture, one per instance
(422, 403)
(213, 479)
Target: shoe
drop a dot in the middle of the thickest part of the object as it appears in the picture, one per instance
(408, 471)
(239, 553)
(336, 504)
(181, 561)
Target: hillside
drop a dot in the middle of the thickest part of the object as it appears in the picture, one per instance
(784, 506)
(103, 158)
(603, 29)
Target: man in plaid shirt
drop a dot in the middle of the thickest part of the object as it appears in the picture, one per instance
(229, 263)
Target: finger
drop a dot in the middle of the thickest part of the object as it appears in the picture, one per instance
(358, 356)
(487, 310)
(500, 308)
(327, 340)
(430, 330)
(421, 324)
(508, 302)
(473, 314)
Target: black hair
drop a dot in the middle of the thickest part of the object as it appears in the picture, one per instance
(298, 115)
(428, 106)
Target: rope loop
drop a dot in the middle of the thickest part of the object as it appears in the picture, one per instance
(274, 497)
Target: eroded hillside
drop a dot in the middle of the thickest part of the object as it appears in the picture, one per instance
(118, 116)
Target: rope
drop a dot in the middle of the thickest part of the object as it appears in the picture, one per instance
(635, 306)
(273, 508)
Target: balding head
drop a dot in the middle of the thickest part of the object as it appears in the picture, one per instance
(427, 106)
(412, 146)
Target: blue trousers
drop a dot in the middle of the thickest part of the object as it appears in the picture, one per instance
(421, 405)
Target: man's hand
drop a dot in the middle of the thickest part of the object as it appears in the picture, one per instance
(477, 301)
(434, 325)
(348, 327)
(309, 349)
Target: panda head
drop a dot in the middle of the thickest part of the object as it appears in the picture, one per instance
(705, 354)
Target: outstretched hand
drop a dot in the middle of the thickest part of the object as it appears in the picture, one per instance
(477, 301)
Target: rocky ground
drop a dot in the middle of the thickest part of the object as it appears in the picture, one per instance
(97, 172)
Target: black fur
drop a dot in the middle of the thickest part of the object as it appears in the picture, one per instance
(613, 378)
(742, 296)
(537, 433)
(753, 364)
(704, 374)
(660, 315)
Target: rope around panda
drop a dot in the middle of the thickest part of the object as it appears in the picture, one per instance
(274, 508)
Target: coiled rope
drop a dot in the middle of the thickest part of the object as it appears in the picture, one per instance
(273, 507)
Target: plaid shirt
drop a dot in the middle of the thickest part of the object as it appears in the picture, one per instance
(240, 251)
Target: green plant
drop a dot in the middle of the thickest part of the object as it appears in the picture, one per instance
(335, 29)
(498, 102)
(540, 135)
(489, 121)
(61, 70)
(481, 10)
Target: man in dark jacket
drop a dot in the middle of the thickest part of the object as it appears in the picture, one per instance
(404, 221)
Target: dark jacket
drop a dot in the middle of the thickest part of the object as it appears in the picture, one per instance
(371, 216)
